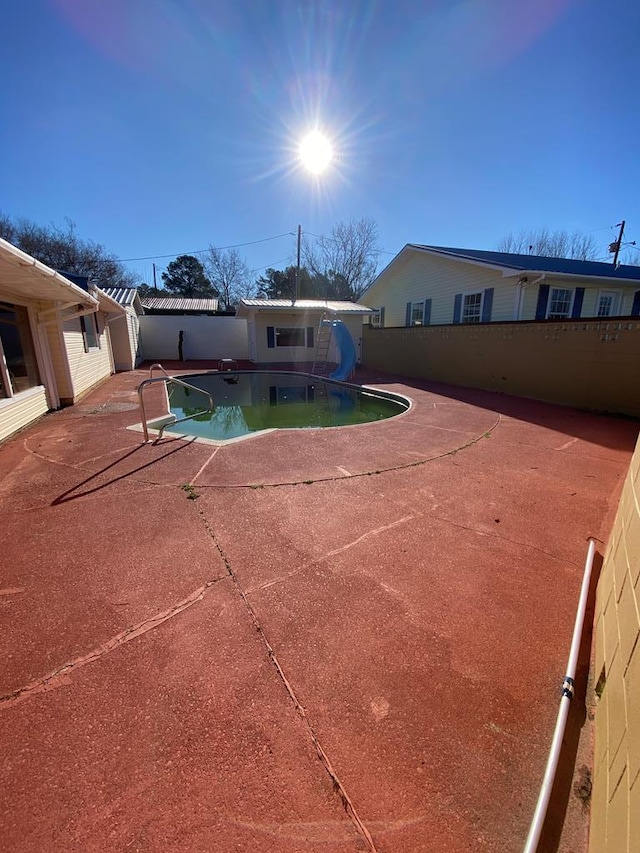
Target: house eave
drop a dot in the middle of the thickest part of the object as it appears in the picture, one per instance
(24, 277)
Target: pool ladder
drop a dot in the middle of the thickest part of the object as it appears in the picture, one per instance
(168, 380)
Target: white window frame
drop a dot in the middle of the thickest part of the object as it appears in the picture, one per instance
(4, 375)
(91, 318)
(374, 319)
(465, 296)
(566, 316)
(11, 392)
(618, 295)
(419, 305)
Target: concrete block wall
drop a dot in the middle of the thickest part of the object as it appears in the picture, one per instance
(615, 806)
(592, 364)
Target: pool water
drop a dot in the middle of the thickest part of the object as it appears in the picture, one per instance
(247, 402)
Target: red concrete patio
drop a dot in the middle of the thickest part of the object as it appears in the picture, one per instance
(339, 640)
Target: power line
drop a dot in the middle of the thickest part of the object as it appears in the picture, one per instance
(203, 251)
(270, 266)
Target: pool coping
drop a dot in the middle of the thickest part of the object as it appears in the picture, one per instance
(153, 426)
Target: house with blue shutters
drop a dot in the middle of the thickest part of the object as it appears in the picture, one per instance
(433, 285)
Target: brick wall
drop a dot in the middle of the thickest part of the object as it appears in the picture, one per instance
(615, 807)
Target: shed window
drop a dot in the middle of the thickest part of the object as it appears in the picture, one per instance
(560, 300)
(291, 336)
(89, 326)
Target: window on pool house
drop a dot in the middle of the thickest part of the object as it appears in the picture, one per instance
(291, 336)
(18, 366)
(560, 300)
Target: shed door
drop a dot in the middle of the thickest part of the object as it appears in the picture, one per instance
(253, 345)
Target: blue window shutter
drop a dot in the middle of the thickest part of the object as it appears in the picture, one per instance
(543, 301)
(635, 308)
(457, 308)
(427, 312)
(487, 305)
(407, 316)
(382, 317)
(310, 336)
(271, 337)
(578, 299)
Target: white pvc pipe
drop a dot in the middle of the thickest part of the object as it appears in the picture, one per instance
(567, 695)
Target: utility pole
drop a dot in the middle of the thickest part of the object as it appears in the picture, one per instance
(298, 264)
(155, 286)
(615, 247)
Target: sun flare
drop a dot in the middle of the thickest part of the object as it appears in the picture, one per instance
(315, 152)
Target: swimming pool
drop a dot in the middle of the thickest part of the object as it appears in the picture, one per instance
(248, 402)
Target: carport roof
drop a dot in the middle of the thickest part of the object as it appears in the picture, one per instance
(22, 276)
(171, 303)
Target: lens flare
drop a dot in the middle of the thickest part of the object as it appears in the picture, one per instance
(315, 152)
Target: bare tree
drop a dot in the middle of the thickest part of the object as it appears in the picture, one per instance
(349, 256)
(62, 249)
(229, 274)
(551, 244)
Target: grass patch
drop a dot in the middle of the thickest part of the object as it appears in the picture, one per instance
(190, 491)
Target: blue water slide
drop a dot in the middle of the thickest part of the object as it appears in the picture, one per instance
(346, 349)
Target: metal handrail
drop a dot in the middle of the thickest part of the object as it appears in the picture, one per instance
(156, 366)
(167, 379)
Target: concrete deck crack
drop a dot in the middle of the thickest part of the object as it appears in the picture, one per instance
(497, 536)
(61, 675)
(331, 553)
(322, 755)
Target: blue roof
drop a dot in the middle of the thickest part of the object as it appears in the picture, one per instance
(539, 263)
(79, 280)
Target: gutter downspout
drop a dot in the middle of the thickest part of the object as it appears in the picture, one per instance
(539, 815)
(521, 286)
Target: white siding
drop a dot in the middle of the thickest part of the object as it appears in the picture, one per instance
(133, 326)
(590, 300)
(86, 368)
(418, 276)
(59, 361)
(125, 337)
(19, 411)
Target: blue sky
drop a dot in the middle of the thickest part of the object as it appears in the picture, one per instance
(161, 126)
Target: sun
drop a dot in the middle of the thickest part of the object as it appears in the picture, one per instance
(315, 152)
